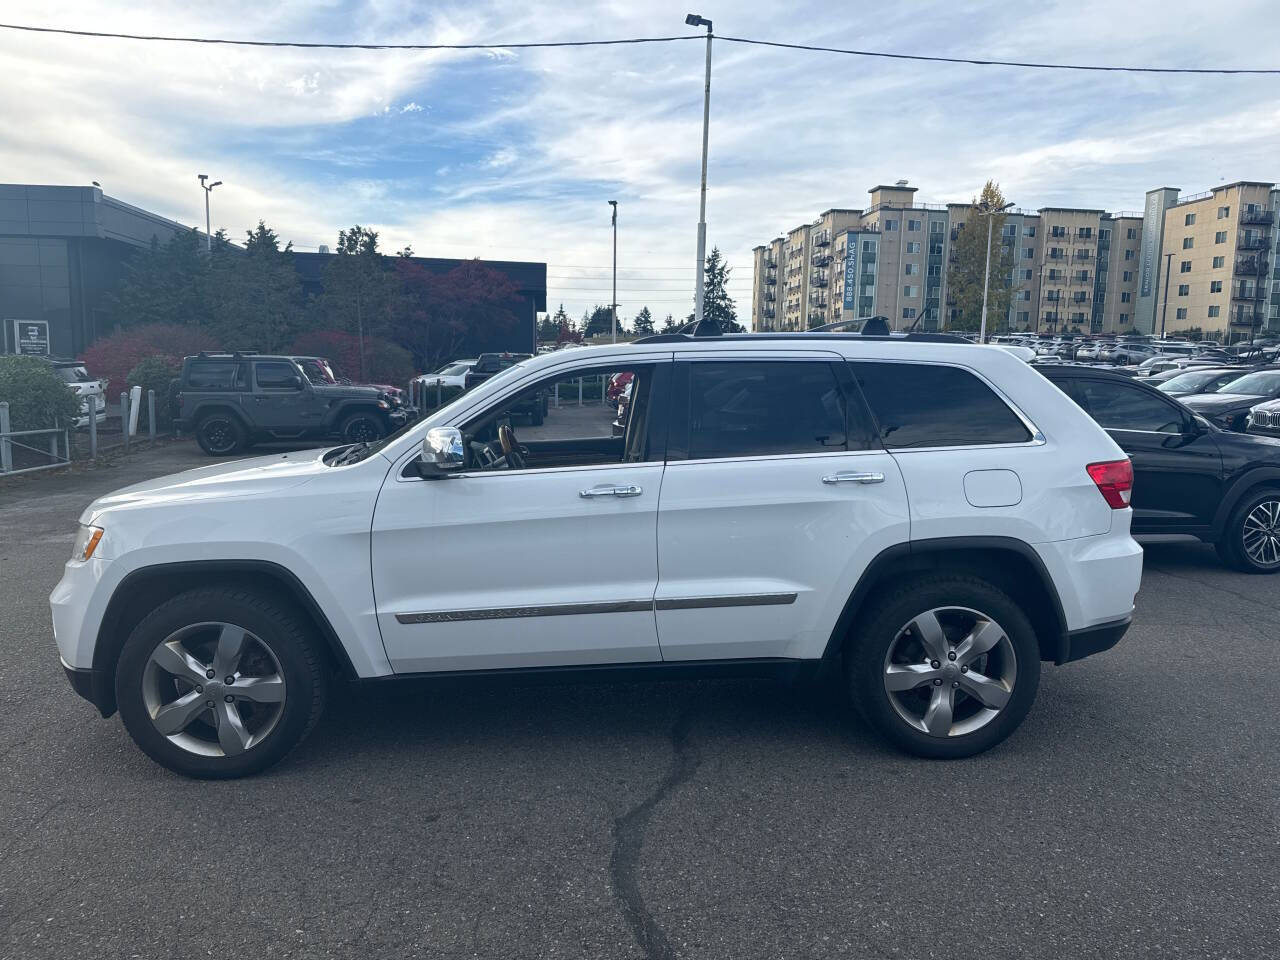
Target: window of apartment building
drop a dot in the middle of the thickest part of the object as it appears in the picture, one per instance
(1057, 231)
(1184, 289)
(910, 292)
(1024, 316)
(1125, 296)
(1220, 237)
(1009, 230)
(1215, 286)
(1188, 243)
(1219, 262)
(1029, 231)
(1128, 254)
(935, 248)
(1104, 235)
(1189, 219)
(1055, 253)
(1124, 318)
(890, 225)
(868, 246)
(1128, 276)
(1026, 274)
(1224, 212)
(913, 226)
(1185, 266)
(1215, 311)
(1131, 233)
(911, 269)
(1085, 232)
(937, 226)
(913, 246)
(1082, 276)
(1182, 313)
(1250, 208)
(1029, 253)
(908, 313)
(1077, 318)
(935, 269)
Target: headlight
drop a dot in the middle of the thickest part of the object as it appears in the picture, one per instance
(383, 405)
(86, 542)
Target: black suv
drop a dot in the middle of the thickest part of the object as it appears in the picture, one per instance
(233, 400)
(1190, 477)
(488, 364)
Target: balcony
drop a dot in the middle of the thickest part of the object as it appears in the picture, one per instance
(771, 277)
(819, 279)
(817, 318)
(820, 257)
(1266, 217)
(1248, 318)
(1053, 296)
(768, 313)
(821, 238)
(818, 300)
(770, 296)
(771, 262)
(1256, 292)
(1251, 267)
(1253, 243)
(1050, 317)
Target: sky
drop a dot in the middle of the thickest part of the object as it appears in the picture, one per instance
(514, 154)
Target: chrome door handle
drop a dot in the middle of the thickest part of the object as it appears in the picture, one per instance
(630, 490)
(854, 478)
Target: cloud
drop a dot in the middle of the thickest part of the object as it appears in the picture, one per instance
(411, 107)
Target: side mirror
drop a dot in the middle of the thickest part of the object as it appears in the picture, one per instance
(442, 453)
(296, 382)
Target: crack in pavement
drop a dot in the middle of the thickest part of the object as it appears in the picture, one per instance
(628, 839)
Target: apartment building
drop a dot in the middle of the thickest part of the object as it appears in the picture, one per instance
(1080, 270)
(1215, 266)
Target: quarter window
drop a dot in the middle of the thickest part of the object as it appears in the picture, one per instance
(755, 408)
(1120, 406)
(928, 405)
(216, 375)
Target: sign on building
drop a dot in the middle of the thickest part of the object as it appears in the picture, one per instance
(851, 272)
(31, 337)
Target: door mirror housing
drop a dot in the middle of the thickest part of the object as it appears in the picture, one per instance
(442, 453)
(296, 382)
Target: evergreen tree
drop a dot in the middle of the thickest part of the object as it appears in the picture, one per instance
(717, 305)
(361, 293)
(166, 283)
(966, 274)
(643, 323)
(669, 325)
(256, 299)
(598, 323)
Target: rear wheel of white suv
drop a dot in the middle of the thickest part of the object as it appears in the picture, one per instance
(220, 683)
(944, 666)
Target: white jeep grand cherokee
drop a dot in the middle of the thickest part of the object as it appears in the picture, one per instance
(925, 518)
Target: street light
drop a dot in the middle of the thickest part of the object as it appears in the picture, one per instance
(208, 189)
(614, 204)
(990, 213)
(694, 20)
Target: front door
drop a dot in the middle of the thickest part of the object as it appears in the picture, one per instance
(775, 500)
(540, 553)
(279, 399)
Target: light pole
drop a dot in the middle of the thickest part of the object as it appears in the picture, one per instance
(614, 204)
(990, 214)
(694, 20)
(208, 189)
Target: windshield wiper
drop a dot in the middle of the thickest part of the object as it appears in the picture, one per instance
(353, 454)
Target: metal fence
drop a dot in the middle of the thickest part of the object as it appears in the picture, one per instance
(26, 451)
(31, 447)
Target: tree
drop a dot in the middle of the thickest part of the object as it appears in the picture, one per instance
(256, 298)
(966, 275)
(443, 311)
(643, 323)
(166, 283)
(669, 325)
(598, 323)
(361, 292)
(717, 305)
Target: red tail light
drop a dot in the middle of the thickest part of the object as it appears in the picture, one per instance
(1115, 481)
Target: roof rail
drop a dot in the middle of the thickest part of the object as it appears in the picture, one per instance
(804, 335)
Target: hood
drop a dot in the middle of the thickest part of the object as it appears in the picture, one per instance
(1271, 406)
(1201, 402)
(219, 481)
(346, 391)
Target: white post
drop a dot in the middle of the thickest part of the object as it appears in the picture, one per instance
(124, 418)
(986, 284)
(702, 199)
(135, 408)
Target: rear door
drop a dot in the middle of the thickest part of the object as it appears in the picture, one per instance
(1177, 469)
(775, 499)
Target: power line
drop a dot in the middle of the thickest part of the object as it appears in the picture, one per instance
(1025, 64)
(806, 47)
(102, 34)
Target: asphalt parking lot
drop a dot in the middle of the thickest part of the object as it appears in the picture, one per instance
(1136, 813)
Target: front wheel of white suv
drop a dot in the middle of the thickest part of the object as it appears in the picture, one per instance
(944, 666)
(219, 683)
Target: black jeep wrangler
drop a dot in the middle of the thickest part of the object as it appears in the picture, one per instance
(233, 400)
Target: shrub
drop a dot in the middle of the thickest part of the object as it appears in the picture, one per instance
(384, 361)
(115, 356)
(158, 374)
(38, 398)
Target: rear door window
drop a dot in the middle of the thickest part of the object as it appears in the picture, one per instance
(1123, 406)
(216, 375)
(275, 374)
(931, 405)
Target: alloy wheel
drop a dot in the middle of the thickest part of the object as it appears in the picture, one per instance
(950, 671)
(1261, 533)
(362, 430)
(218, 434)
(213, 689)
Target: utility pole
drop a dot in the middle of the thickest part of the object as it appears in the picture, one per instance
(694, 20)
(1164, 310)
(208, 189)
(614, 204)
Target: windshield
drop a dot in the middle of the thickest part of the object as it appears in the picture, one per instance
(1190, 381)
(76, 374)
(317, 371)
(1260, 384)
(453, 369)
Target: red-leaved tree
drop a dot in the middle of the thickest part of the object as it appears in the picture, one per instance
(114, 356)
(460, 309)
(385, 362)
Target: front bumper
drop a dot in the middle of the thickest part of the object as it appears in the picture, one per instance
(1078, 644)
(93, 685)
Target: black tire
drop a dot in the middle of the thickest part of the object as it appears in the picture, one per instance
(1231, 547)
(362, 426)
(220, 434)
(878, 629)
(277, 627)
